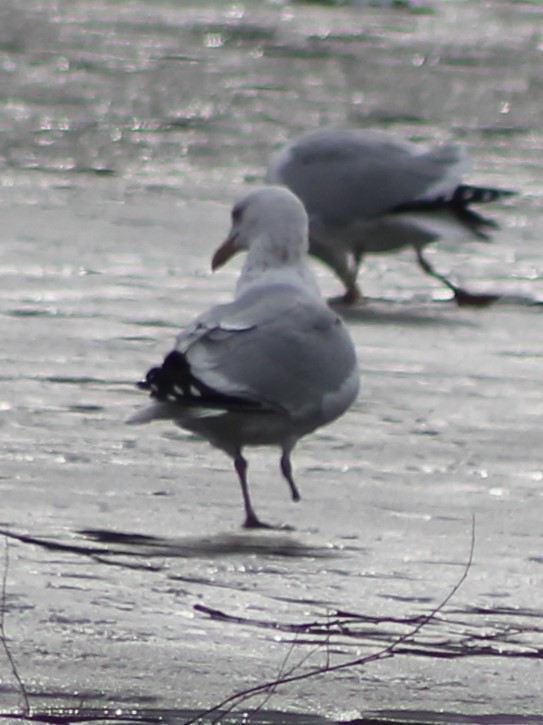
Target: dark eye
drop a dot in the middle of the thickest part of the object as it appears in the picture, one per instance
(236, 213)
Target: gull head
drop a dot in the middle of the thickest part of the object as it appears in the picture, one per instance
(269, 223)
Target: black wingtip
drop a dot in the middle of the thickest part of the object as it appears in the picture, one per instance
(466, 194)
(174, 382)
(151, 379)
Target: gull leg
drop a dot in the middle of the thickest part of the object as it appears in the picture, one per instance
(337, 260)
(461, 296)
(427, 267)
(353, 293)
(352, 290)
(286, 470)
(348, 275)
(251, 519)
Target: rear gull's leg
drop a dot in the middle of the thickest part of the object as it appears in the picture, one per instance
(286, 470)
(338, 260)
(352, 290)
(348, 274)
(251, 519)
(461, 296)
(427, 267)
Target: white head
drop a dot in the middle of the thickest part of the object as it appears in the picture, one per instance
(270, 223)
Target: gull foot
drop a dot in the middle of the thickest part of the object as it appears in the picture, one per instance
(252, 522)
(349, 299)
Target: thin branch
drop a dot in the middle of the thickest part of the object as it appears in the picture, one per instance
(69, 718)
(385, 653)
(269, 693)
(3, 638)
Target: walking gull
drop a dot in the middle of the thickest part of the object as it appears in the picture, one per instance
(269, 367)
(367, 192)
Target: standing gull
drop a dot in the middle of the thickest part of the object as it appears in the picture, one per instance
(367, 192)
(269, 367)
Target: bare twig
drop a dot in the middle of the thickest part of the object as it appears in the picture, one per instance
(268, 694)
(3, 638)
(243, 695)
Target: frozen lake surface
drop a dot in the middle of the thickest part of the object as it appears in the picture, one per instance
(127, 131)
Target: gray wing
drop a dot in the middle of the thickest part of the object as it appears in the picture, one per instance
(284, 351)
(343, 176)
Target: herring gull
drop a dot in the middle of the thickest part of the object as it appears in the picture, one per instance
(368, 192)
(272, 365)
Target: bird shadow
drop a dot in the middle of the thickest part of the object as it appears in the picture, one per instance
(424, 313)
(269, 543)
(107, 545)
(384, 312)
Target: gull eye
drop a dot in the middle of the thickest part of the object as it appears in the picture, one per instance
(236, 214)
